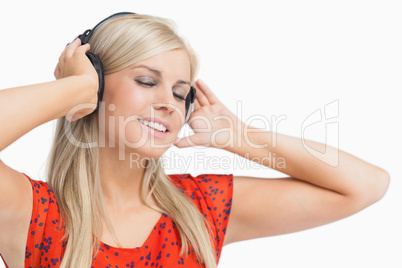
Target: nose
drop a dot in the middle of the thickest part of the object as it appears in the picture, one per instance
(163, 107)
(164, 100)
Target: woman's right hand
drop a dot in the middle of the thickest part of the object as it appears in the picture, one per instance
(74, 63)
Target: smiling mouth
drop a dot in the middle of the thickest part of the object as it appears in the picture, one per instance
(155, 126)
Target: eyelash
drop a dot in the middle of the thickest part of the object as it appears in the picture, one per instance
(153, 84)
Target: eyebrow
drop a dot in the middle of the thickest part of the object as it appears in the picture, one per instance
(159, 73)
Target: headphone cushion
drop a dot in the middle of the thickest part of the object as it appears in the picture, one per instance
(96, 62)
(189, 100)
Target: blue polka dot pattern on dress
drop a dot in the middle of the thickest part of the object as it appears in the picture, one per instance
(211, 193)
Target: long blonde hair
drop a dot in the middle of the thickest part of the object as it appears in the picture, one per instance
(73, 171)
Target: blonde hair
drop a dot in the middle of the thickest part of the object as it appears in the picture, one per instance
(73, 171)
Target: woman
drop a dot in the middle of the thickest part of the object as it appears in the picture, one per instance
(108, 202)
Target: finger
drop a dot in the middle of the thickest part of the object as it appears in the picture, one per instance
(202, 99)
(82, 49)
(207, 92)
(63, 53)
(188, 141)
(71, 48)
(61, 58)
(57, 71)
(196, 105)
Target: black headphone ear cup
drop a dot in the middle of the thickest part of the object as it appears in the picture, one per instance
(189, 100)
(96, 62)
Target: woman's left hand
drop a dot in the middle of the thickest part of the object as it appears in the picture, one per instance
(213, 124)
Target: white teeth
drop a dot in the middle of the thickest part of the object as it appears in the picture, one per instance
(154, 125)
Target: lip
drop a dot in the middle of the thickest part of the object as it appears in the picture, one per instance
(157, 120)
(154, 132)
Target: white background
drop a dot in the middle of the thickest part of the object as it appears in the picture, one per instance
(276, 58)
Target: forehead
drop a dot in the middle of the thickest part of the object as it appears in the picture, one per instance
(170, 64)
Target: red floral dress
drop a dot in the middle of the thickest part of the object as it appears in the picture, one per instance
(211, 193)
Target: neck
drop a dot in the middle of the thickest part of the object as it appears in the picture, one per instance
(121, 182)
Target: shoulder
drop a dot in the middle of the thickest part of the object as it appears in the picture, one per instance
(212, 194)
(41, 192)
(37, 185)
(45, 209)
(45, 204)
(44, 234)
(210, 182)
(208, 187)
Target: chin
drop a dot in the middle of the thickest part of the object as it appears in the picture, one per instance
(145, 153)
(141, 144)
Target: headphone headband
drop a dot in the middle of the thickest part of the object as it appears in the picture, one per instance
(85, 36)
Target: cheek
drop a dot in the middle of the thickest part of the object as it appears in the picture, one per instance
(126, 98)
(138, 100)
(130, 102)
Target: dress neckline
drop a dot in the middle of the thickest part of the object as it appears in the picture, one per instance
(146, 244)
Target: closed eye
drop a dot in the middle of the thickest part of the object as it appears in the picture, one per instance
(179, 96)
(151, 84)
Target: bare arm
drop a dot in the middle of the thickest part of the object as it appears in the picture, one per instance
(316, 193)
(23, 109)
(336, 170)
(27, 107)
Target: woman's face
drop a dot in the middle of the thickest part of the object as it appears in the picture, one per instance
(150, 90)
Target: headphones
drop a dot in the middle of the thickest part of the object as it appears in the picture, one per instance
(97, 63)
